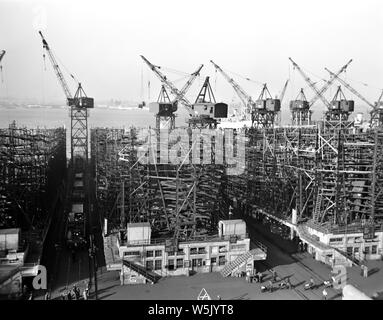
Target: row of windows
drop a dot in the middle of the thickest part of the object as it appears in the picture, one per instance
(158, 253)
(155, 253)
(367, 250)
(179, 263)
(201, 250)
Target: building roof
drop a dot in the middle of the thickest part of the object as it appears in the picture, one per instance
(10, 231)
(138, 224)
(235, 221)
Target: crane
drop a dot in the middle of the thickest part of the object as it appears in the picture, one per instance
(283, 91)
(57, 69)
(311, 84)
(179, 95)
(2, 53)
(245, 98)
(79, 104)
(350, 88)
(329, 83)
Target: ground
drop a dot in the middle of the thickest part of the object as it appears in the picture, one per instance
(282, 257)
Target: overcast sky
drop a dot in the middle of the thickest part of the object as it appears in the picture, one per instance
(100, 42)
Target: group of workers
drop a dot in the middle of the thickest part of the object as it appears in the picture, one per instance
(75, 294)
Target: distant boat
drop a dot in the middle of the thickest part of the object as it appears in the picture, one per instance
(141, 105)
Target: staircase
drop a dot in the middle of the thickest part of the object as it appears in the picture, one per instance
(317, 207)
(153, 277)
(232, 266)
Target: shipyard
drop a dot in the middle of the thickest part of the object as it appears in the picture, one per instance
(164, 175)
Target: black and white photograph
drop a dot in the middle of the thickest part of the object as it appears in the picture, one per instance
(168, 152)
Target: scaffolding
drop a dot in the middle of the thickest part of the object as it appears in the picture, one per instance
(26, 158)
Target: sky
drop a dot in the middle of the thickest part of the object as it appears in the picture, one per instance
(100, 42)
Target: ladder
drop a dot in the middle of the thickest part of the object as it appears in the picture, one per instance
(239, 261)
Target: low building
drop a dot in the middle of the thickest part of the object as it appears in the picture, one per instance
(146, 259)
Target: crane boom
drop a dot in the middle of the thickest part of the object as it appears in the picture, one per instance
(283, 91)
(329, 83)
(350, 88)
(245, 98)
(311, 84)
(2, 53)
(188, 84)
(179, 95)
(56, 67)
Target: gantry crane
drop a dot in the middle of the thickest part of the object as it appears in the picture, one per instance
(263, 111)
(79, 105)
(328, 83)
(2, 53)
(341, 108)
(208, 117)
(245, 98)
(377, 109)
(165, 109)
(332, 114)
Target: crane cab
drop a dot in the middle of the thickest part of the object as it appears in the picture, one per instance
(299, 105)
(340, 103)
(163, 109)
(268, 104)
(343, 105)
(211, 110)
(82, 102)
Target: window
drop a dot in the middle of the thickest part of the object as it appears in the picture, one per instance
(214, 260)
(356, 250)
(180, 251)
(367, 250)
(222, 249)
(158, 253)
(131, 253)
(180, 263)
(197, 262)
(149, 264)
(193, 250)
(349, 250)
(336, 240)
(171, 264)
(171, 253)
(158, 265)
(374, 249)
(221, 260)
(201, 250)
(149, 253)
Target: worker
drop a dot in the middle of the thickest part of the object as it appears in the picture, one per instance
(274, 275)
(270, 286)
(324, 293)
(312, 283)
(365, 272)
(85, 294)
(362, 270)
(47, 296)
(288, 283)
